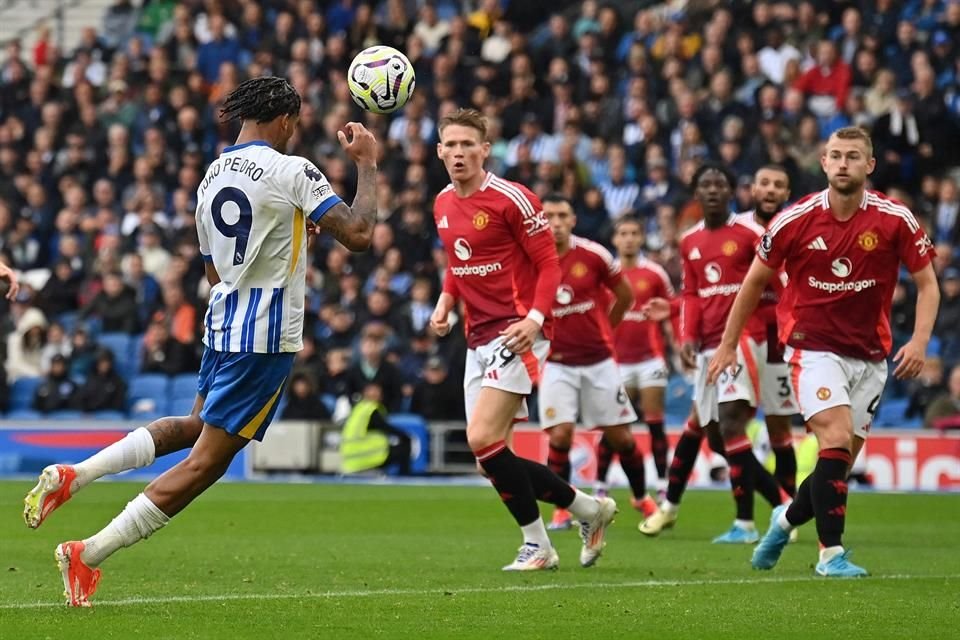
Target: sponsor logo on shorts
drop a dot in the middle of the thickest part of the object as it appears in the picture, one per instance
(868, 240)
(823, 394)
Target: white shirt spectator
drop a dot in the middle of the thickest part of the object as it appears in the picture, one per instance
(773, 62)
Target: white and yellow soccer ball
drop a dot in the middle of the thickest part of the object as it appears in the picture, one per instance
(381, 79)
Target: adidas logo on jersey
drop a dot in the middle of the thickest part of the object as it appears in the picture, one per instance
(818, 244)
(443, 224)
(695, 254)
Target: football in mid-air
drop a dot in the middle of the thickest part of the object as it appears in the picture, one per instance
(381, 79)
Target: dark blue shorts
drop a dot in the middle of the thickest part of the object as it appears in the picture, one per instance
(241, 391)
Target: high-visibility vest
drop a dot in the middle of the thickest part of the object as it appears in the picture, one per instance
(359, 449)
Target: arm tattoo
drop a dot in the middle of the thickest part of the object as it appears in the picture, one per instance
(353, 226)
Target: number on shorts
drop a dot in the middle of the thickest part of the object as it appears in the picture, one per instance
(621, 396)
(784, 390)
(872, 407)
(506, 356)
(239, 229)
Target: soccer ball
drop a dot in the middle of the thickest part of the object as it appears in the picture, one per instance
(381, 79)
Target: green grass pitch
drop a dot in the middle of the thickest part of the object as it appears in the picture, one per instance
(271, 561)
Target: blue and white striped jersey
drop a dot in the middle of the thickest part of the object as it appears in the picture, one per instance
(252, 207)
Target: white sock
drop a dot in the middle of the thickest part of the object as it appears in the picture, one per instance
(669, 507)
(134, 451)
(139, 519)
(783, 522)
(744, 524)
(661, 484)
(536, 533)
(828, 552)
(584, 507)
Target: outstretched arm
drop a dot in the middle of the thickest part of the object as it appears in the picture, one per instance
(353, 226)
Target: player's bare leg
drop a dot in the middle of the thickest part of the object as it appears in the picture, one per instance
(148, 512)
(622, 442)
(139, 448)
(738, 450)
(652, 404)
(558, 461)
(684, 457)
(822, 496)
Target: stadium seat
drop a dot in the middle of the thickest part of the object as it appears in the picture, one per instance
(21, 393)
(183, 386)
(415, 427)
(181, 406)
(24, 414)
(891, 412)
(65, 414)
(119, 344)
(149, 386)
(108, 414)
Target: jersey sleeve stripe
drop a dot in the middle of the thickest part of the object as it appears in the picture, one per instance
(791, 214)
(661, 273)
(247, 332)
(598, 250)
(323, 207)
(231, 304)
(523, 203)
(886, 206)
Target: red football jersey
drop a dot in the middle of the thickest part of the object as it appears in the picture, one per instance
(582, 334)
(715, 262)
(502, 260)
(636, 338)
(841, 275)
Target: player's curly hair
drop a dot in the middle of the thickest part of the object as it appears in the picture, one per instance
(261, 100)
(713, 166)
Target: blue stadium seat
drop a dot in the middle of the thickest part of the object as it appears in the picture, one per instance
(107, 414)
(24, 414)
(329, 401)
(180, 406)
(149, 386)
(135, 355)
(891, 412)
(21, 393)
(118, 343)
(415, 427)
(65, 414)
(183, 386)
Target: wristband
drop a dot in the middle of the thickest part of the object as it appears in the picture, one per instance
(536, 316)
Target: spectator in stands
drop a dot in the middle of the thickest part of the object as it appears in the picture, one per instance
(944, 411)
(925, 387)
(83, 350)
(372, 367)
(303, 400)
(948, 318)
(59, 294)
(57, 344)
(827, 82)
(436, 397)
(115, 307)
(104, 389)
(57, 391)
(25, 344)
(162, 353)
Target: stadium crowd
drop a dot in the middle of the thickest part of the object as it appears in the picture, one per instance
(611, 104)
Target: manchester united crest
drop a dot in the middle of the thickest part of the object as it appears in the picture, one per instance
(729, 248)
(868, 240)
(551, 413)
(578, 270)
(823, 394)
(641, 285)
(480, 220)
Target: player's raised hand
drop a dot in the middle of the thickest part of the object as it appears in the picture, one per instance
(8, 274)
(440, 318)
(657, 309)
(519, 336)
(359, 144)
(723, 359)
(910, 359)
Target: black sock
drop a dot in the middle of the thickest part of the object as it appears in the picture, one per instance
(743, 474)
(632, 462)
(604, 458)
(558, 460)
(767, 485)
(786, 470)
(507, 475)
(658, 446)
(548, 486)
(829, 491)
(684, 457)
(800, 510)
